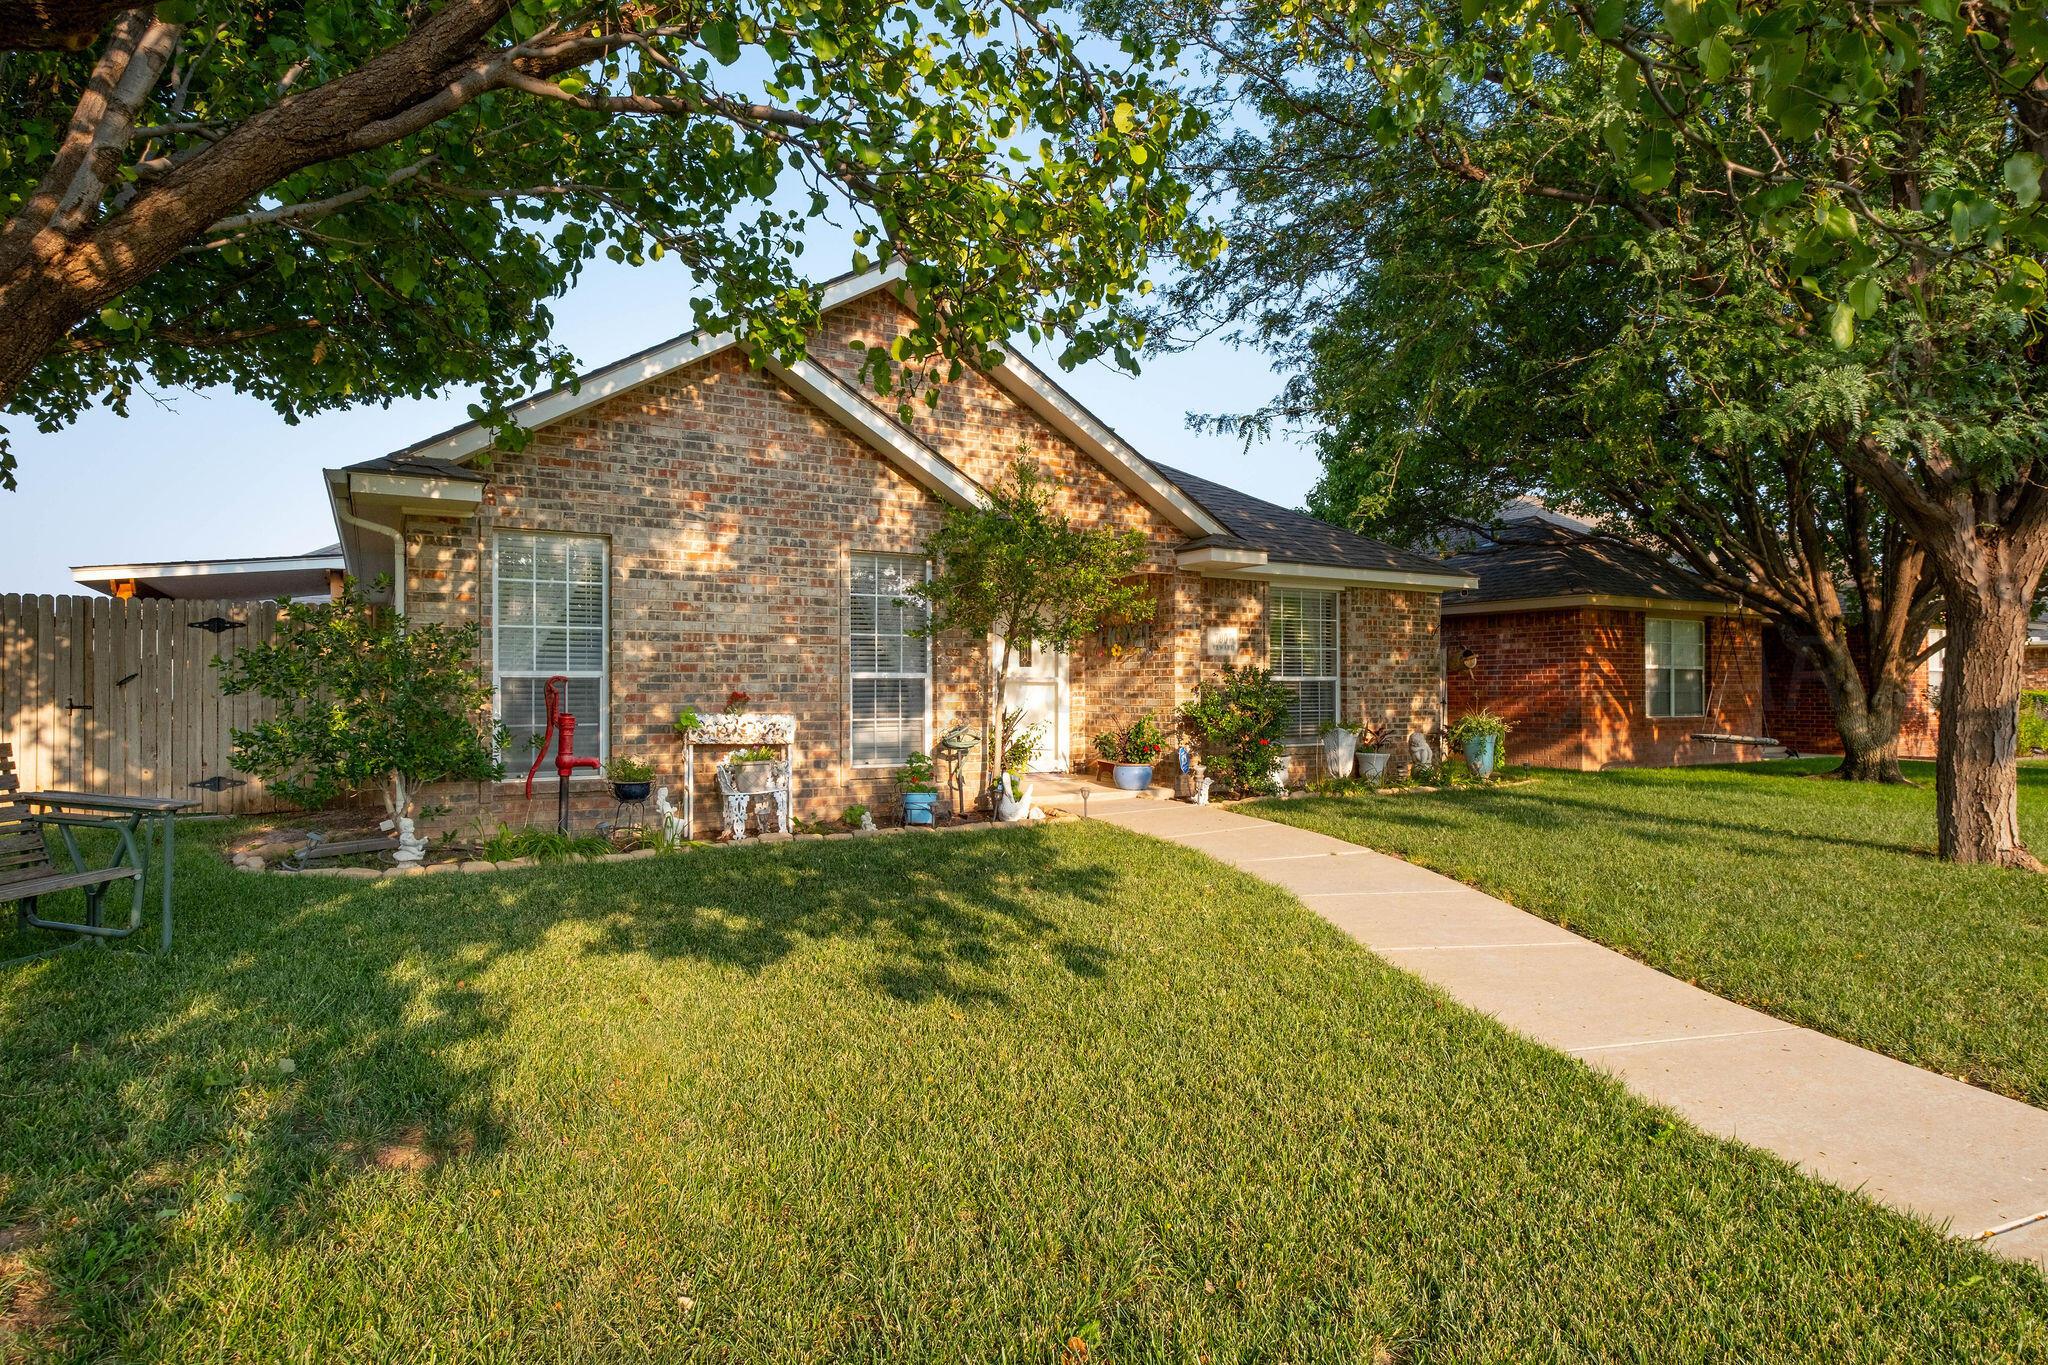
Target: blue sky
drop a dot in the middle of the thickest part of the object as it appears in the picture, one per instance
(200, 475)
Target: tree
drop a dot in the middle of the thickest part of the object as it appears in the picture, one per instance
(335, 201)
(1015, 569)
(364, 699)
(1850, 190)
(1441, 381)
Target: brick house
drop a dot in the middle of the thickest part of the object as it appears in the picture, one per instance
(692, 520)
(1598, 653)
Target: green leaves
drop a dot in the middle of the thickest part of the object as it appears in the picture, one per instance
(2022, 175)
(721, 39)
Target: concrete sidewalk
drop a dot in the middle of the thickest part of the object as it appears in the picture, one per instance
(1949, 1152)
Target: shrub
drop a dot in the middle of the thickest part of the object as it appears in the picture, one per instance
(853, 815)
(2033, 721)
(545, 845)
(1141, 741)
(1021, 743)
(1235, 720)
(364, 698)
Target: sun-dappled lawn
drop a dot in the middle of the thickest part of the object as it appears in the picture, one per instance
(932, 1097)
(1816, 900)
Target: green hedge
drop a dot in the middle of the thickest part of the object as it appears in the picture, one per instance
(2033, 721)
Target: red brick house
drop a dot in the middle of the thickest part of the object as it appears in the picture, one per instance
(1598, 653)
(690, 520)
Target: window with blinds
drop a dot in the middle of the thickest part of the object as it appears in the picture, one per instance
(548, 617)
(891, 664)
(1675, 661)
(1301, 649)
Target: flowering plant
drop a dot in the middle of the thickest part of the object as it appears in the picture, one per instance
(1142, 741)
(736, 702)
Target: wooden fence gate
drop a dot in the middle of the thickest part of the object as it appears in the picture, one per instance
(99, 694)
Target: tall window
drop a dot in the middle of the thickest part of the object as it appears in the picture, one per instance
(1301, 649)
(1675, 655)
(548, 614)
(891, 666)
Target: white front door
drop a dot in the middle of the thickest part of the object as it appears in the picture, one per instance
(1037, 686)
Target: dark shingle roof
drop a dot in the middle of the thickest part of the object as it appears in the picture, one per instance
(1291, 537)
(1534, 560)
(402, 463)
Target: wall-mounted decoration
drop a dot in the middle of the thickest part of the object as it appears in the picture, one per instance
(1220, 643)
(1131, 632)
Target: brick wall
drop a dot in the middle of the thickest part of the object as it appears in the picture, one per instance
(1572, 684)
(1797, 712)
(731, 508)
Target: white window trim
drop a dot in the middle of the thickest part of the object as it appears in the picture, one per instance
(603, 675)
(1650, 671)
(1335, 679)
(853, 675)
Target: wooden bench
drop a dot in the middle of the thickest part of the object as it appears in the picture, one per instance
(27, 872)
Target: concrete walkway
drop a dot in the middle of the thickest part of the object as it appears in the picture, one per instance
(1956, 1155)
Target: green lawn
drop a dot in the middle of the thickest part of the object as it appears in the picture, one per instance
(922, 1098)
(1818, 901)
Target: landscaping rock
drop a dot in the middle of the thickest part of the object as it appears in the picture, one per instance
(479, 865)
(360, 873)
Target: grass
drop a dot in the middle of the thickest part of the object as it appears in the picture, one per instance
(936, 1097)
(1818, 901)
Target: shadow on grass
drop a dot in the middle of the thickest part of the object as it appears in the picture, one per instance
(308, 1032)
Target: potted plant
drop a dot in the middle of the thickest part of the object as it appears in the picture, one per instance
(1483, 737)
(736, 702)
(1370, 762)
(1340, 747)
(686, 721)
(1132, 751)
(630, 778)
(920, 790)
(755, 770)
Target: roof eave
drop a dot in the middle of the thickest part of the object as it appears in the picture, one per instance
(1559, 601)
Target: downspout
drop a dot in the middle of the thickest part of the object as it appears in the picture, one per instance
(397, 552)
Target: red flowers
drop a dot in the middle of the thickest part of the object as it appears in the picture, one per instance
(1263, 741)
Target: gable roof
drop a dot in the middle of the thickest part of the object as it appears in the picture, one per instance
(1290, 537)
(1536, 563)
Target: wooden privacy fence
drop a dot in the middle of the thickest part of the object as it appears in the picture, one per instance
(99, 694)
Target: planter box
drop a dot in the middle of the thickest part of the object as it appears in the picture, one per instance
(754, 779)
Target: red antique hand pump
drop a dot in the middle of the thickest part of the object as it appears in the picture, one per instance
(562, 729)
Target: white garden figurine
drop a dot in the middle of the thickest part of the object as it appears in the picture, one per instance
(671, 820)
(411, 848)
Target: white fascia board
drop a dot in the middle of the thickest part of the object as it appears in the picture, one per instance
(1219, 559)
(1649, 604)
(629, 374)
(193, 568)
(416, 492)
(1033, 388)
(924, 465)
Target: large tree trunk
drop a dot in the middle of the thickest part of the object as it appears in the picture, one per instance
(1977, 777)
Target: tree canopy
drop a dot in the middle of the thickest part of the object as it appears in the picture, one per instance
(1818, 223)
(328, 202)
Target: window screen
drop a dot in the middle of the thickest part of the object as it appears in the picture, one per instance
(1675, 655)
(548, 618)
(1301, 648)
(891, 665)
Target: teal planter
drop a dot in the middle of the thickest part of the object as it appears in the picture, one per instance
(920, 808)
(1133, 777)
(1480, 753)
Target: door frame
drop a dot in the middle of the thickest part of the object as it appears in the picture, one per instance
(1058, 759)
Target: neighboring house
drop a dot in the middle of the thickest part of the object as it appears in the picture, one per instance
(1599, 654)
(1800, 716)
(315, 574)
(685, 523)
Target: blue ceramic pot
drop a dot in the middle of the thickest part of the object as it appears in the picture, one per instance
(920, 808)
(628, 792)
(1479, 752)
(1133, 777)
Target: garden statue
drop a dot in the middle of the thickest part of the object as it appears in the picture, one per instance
(867, 821)
(411, 848)
(1420, 755)
(1202, 785)
(671, 820)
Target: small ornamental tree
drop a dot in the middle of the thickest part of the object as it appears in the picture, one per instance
(1016, 569)
(1237, 720)
(364, 699)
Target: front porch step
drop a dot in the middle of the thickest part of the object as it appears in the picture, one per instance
(1072, 791)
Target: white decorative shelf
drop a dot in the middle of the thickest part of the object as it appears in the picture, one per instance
(726, 730)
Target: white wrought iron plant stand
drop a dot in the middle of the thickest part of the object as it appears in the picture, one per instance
(744, 730)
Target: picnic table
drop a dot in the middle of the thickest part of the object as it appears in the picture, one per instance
(128, 816)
